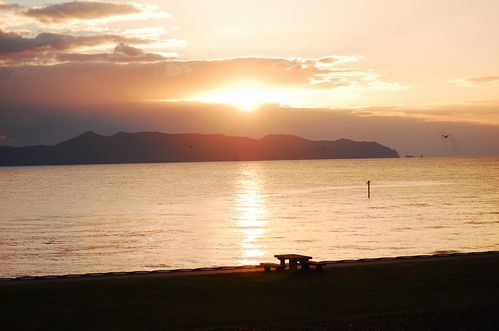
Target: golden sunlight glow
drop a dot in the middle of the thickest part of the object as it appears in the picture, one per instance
(247, 96)
(252, 218)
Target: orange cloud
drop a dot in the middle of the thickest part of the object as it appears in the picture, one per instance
(96, 16)
(122, 53)
(81, 10)
(78, 83)
(483, 112)
(481, 81)
(6, 6)
(16, 49)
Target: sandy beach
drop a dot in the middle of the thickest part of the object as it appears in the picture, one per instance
(447, 291)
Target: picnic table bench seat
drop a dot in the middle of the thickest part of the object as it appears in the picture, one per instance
(268, 266)
(317, 265)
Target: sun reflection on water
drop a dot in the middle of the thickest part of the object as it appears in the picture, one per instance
(251, 216)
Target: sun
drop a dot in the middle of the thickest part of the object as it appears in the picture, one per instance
(245, 96)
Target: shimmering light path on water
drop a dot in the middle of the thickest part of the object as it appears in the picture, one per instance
(96, 218)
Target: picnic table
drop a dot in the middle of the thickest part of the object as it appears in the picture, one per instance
(293, 261)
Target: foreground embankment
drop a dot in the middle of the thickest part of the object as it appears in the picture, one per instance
(446, 292)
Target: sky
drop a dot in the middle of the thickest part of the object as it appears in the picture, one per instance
(402, 73)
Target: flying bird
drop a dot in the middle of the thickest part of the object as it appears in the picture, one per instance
(445, 136)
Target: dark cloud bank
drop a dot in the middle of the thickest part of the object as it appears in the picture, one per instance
(17, 50)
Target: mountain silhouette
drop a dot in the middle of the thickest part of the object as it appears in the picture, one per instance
(151, 147)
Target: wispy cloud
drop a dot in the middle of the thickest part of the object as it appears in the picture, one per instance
(122, 53)
(477, 111)
(6, 6)
(13, 42)
(337, 70)
(79, 15)
(16, 49)
(82, 10)
(480, 81)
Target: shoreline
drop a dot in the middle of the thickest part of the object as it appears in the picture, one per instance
(243, 268)
(445, 292)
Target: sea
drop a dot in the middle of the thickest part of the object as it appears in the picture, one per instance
(57, 220)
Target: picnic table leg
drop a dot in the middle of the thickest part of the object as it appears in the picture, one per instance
(304, 265)
(283, 264)
(293, 264)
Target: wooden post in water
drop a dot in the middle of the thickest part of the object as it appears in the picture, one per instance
(368, 189)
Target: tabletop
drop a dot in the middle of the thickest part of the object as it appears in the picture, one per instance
(292, 257)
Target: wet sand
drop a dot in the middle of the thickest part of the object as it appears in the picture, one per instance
(442, 291)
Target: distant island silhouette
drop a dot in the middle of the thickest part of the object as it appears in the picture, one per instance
(155, 147)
